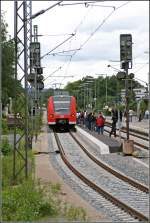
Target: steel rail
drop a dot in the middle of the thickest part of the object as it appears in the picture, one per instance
(102, 192)
(113, 171)
(131, 131)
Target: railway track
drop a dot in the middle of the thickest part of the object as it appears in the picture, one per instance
(118, 174)
(136, 143)
(133, 133)
(131, 211)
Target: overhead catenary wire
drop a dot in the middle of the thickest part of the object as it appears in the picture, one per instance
(68, 39)
(98, 27)
(52, 73)
(45, 35)
(79, 3)
(102, 23)
(57, 46)
(63, 51)
(141, 67)
(59, 68)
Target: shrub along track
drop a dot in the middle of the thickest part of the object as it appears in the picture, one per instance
(131, 211)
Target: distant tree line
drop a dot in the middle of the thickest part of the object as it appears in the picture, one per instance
(114, 87)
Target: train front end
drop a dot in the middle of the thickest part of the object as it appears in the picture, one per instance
(62, 111)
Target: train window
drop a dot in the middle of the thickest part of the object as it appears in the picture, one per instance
(62, 108)
(62, 104)
(61, 98)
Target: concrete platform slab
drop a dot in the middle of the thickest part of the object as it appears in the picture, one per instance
(105, 143)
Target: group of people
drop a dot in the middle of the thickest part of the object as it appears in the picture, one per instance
(97, 123)
(91, 121)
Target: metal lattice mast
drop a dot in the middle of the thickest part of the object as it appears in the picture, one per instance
(0, 112)
(22, 37)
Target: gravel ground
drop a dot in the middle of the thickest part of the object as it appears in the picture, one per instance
(101, 177)
(46, 169)
(125, 164)
(87, 193)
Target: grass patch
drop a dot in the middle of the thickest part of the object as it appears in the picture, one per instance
(6, 147)
(29, 200)
(4, 126)
(7, 165)
(75, 214)
(26, 202)
(33, 201)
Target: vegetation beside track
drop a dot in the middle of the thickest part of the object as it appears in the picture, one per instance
(30, 200)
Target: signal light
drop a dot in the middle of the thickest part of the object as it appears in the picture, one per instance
(126, 50)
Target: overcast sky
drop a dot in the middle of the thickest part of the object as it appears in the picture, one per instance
(97, 28)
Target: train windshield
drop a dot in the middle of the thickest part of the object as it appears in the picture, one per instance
(62, 104)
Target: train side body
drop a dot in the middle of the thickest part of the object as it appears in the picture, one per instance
(61, 110)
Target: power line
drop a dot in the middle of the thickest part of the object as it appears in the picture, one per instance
(58, 46)
(98, 27)
(79, 3)
(102, 23)
(64, 51)
(52, 73)
(63, 34)
(141, 67)
(81, 22)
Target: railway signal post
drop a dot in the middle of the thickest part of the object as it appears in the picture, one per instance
(126, 63)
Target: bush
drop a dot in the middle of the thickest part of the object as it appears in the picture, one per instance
(77, 214)
(27, 202)
(32, 201)
(7, 172)
(6, 147)
(4, 127)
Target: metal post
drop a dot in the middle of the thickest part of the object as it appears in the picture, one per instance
(106, 89)
(95, 93)
(84, 98)
(127, 100)
(26, 88)
(21, 38)
(35, 84)
(35, 103)
(0, 115)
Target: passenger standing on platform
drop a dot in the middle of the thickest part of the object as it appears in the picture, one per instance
(114, 121)
(93, 122)
(140, 116)
(120, 116)
(100, 121)
(82, 118)
(89, 119)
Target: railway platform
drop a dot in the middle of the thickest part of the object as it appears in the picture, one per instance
(113, 145)
(105, 143)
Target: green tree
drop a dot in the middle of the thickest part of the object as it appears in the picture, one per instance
(143, 106)
(8, 62)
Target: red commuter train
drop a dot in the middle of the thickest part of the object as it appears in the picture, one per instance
(61, 111)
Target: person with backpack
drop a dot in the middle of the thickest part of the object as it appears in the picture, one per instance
(100, 121)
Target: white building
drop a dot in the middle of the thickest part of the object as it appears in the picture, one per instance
(139, 93)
